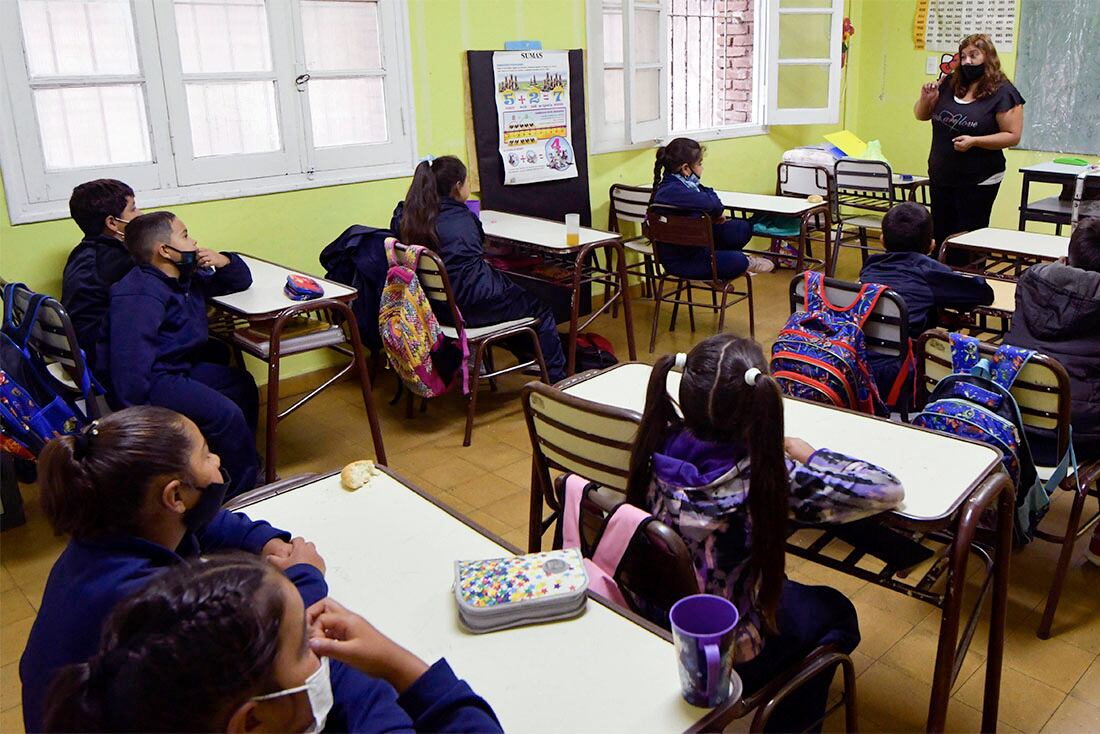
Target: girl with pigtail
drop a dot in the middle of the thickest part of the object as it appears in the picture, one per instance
(715, 465)
(676, 174)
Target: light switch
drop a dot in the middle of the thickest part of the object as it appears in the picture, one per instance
(932, 65)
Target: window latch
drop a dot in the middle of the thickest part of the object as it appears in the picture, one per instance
(300, 82)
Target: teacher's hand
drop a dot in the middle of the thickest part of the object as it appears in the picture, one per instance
(930, 92)
(963, 143)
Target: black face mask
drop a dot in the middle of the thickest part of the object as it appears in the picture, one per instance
(188, 262)
(972, 72)
(210, 503)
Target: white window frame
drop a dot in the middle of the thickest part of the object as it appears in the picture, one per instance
(34, 194)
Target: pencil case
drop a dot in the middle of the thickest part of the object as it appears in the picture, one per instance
(302, 288)
(499, 593)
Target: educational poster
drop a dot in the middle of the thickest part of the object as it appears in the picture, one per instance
(939, 25)
(533, 115)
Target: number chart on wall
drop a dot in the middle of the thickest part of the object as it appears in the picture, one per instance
(939, 25)
(532, 96)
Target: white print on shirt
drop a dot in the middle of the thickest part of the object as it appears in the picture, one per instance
(957, 122)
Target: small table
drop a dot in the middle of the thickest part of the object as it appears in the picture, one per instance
(915, 188)
(390, 549)
(934, 504)
(267, 335)
(1005, 253)
(1055, 209)
(788, 206)
(545, 239)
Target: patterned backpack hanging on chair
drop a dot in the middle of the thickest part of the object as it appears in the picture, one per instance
(410, 332)
(821, 353)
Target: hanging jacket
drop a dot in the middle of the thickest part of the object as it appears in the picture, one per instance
(1058, 314)
(357, 258)
(94, 265)
(701, 489)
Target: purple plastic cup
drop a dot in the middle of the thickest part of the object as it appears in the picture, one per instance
(702, 630)
(474, 205)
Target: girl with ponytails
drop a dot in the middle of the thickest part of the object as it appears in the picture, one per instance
(720, 471)
(434, 214)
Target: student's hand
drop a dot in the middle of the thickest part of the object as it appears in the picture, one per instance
(276, 547)
(964, 143)
(930, 92)
(797, 449)
(301, 551)
(345, 636)
(211, 259)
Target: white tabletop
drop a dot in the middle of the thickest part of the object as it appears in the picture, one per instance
(1047, 246)
(390, 555)
(766, 203)
(536, 231)
(266, 296)
(937, 471)
(1004, 295)
(1059, 168)
(913, 180)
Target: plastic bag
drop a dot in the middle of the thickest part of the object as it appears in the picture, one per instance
(874, 152)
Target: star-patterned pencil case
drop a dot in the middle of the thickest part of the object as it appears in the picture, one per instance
(499, 593)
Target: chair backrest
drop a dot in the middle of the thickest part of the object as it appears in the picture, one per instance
(886, 331)
(432, 274)
(863, 184)
(800, 180)
(628, 204)
(1041, 389)
(666, 225)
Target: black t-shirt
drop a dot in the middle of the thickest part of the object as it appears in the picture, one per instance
(950, 119)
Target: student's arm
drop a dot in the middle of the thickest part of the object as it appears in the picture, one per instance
(237, 530)
(230, 278)
(955, 290)
(681, 197)
(132, 339)
(831, 487)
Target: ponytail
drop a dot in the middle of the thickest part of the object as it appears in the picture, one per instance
(433, 180)
(658, 172)
(658, 418)
(670, 158)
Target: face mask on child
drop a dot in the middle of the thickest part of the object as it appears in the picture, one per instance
(318, 687)
(188, 262)
(210, 503)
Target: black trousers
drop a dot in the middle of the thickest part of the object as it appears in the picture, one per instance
(960, 209)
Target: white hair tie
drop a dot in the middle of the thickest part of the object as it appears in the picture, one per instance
(750, 376)
(429, 159)
(681, 360)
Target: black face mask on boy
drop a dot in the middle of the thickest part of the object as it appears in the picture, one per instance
(188, 262)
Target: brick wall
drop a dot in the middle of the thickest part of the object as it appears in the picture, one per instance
(734, 57)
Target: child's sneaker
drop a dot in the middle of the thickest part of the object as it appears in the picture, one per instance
(1093, 552)
(759, 264)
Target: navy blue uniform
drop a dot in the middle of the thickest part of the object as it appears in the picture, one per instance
(91, 577)
(154, 350)
(94, 265)
(485, 295)
(729, 236)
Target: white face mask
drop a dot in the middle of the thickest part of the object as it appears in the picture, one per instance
(318, 687)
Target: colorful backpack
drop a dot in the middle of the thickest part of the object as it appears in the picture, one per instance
(821, 353)
(975, 402)
(410, 332)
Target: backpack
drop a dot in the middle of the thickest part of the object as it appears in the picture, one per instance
(821, 353)
(975, 402)
(594, 352)
(410, 332)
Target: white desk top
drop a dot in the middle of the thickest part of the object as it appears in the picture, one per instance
(266, 296)
(920, 459)
(1046, 246)
(1051, 167)
(535, 231)
(390, 555)
(915, 180)
(766, 203)
(1004, 295)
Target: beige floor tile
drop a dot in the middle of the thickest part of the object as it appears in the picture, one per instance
(490, 523)
(1088, 688)
(6, 581)
(518, 472)
(451, 473)
(1074, 623)
(492, 455)
(10, 690)
(815, 574)
(514, 509)
(1055, 662)
(1074, 715)
(1026, 703)
(11, 721)
(888, 695)
(13, 638)
(915, 654)
(879, 630)
(483, 490)
(902, 606)
(14, 606)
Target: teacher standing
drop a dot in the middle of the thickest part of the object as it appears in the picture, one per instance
(976, 113)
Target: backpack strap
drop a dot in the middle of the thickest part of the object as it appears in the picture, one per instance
(1006, 364)
(571, 512)
(860, 309)
(908, 367)
(813, 297)
(618, 532)
(965, 353)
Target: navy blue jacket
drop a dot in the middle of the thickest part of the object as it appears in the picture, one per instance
(437, 701)
(91, 577)
(925, 285)
(156, 324)
(358, 258)
(674, 192)
(94, 265)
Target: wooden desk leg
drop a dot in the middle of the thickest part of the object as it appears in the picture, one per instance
(624, 289)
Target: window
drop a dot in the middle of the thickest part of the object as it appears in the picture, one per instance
(710, 68)
(188, 100)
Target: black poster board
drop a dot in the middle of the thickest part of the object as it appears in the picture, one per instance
(547, 199)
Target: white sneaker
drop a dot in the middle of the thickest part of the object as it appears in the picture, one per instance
(759, 264)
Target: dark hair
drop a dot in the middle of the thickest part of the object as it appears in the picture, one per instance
(993, 77)
(93, 201)
(719, 405)
(432, 182)
(94, 483)
(670, 158)
(144, 233)
(180, 655)
(1084, 245)
(907, 227)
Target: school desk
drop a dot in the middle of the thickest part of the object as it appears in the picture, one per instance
(787, 206)
(267, 324)
(949, 483)
(545, 239)
(915, 188)
(1054, 209)
(1005, 253)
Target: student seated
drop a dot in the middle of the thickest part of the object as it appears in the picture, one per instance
(434, 215)
(676, 175)
(136, 492)
(155, 347)
(924, 284)
(726, 478)
(1058, 314)
(224, 644)
(102, 209)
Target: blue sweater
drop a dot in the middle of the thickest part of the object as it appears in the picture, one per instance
(91, 577)
(94, 265)
(924, 285)
(674, 191)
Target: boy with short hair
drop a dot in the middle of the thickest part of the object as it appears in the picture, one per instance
(153, 350)
(102, 209)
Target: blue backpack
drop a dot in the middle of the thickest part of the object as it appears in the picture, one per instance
(975, 402)
(821, 354)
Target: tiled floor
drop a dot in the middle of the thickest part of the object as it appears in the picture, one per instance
(1048, 686)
